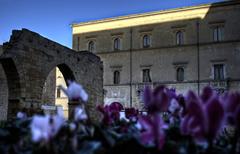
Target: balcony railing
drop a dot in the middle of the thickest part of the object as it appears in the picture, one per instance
(220, 86)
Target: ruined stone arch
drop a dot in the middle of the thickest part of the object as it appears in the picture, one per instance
(34, 57)
(67, 72)
(13, 84)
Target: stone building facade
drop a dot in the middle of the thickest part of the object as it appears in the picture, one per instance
(185, 48)
(60, 98)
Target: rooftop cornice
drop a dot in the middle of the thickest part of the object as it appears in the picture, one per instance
(209, 5)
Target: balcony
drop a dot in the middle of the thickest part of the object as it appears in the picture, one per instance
(219, 85)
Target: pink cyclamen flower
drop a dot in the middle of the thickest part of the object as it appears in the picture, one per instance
(231, 103)
(131, 113)
(237, 117)
(204, 117)
(159, 99)
(152, 130)
(75, 92)
(111, 113)
(43, 128)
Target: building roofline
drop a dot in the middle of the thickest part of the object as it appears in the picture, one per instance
(131, 16)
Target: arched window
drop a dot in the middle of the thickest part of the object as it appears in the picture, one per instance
(91, 46)
(116, 77)
(180, 74)
(116, 44)
(146, 41)
(179, 38)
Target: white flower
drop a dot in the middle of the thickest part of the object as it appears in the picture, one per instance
(173, 106)
(60, 111)
(80, 114)
(72, 126)
(45, 127)
(75, 91)
(138, 126)
(123, 116)
(21, 115)
(40, 128)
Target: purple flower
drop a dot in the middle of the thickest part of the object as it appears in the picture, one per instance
(215, 115)
(158, 100)
(232, 108)
(237, 117)
(131, 113)
(193, 122)
(204, 117)
(111, 113)
(115, 107)
(207, 94)
(75, 92)
(152, 131)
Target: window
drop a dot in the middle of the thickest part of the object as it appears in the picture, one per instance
(91, 46)
(146, 41)
(218, 72)
(116, 77)
(217, 33)
(116, 44)
(180, 74)
(179, 38)
(146, 75)
(58, 92)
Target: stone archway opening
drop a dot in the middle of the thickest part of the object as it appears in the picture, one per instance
(52, 95)
(11, 101)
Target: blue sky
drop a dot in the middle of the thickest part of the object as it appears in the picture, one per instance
(52, 18)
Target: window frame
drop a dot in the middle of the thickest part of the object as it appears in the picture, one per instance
(218, 33)
(180, 76)
(116, 77)
(92, 47)
(149, 79)
(146, 41)
(116, 44)
(179, 36)
(58, 92)
(219, 72)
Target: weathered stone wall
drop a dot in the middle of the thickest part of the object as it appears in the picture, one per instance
(3, 92)
(48, 95)
(29, 58)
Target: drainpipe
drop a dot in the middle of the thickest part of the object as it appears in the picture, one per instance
(130, 52)
(198, 59)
